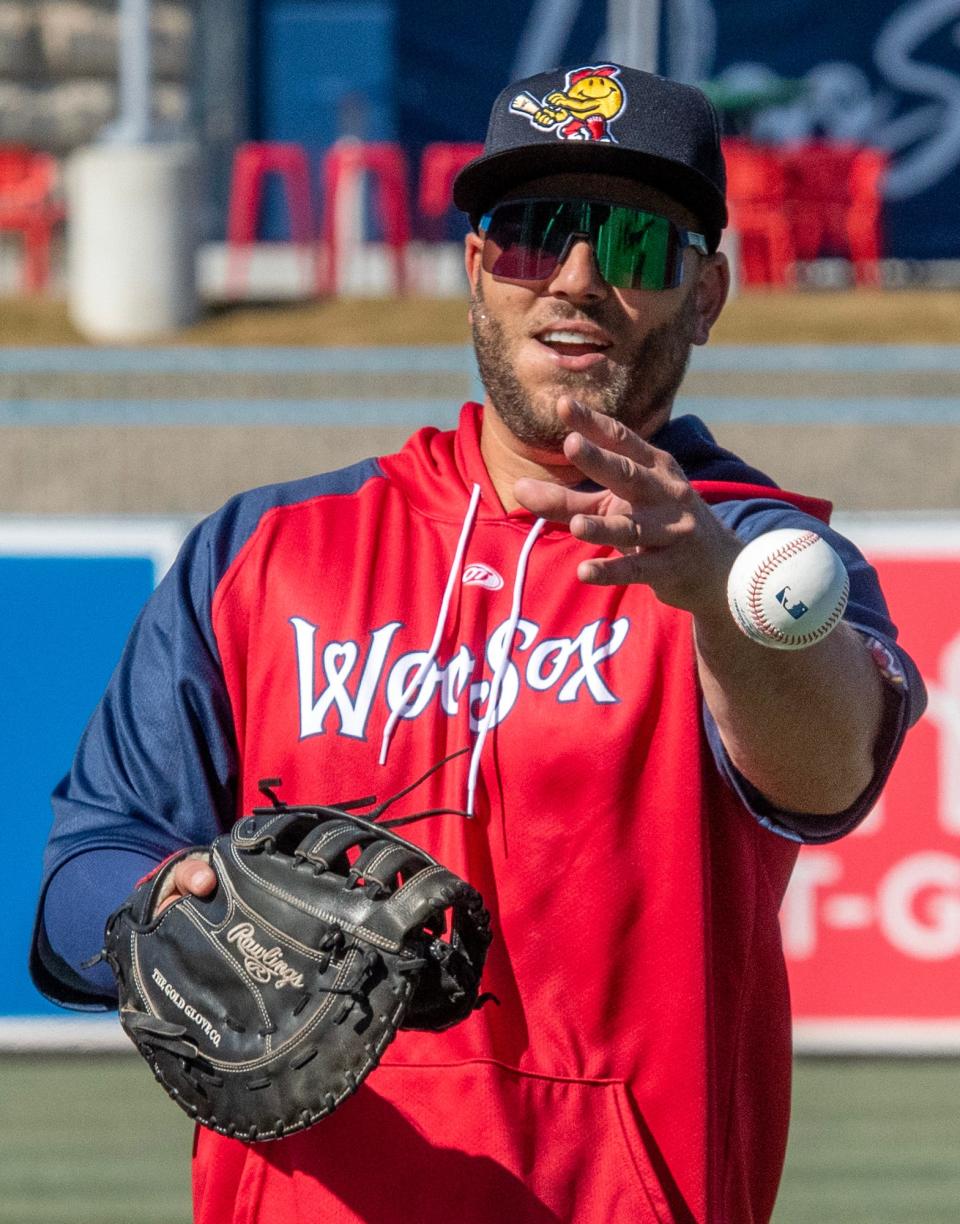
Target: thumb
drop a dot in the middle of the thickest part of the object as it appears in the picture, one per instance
(195, 877)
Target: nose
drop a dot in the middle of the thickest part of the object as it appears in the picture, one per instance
(577, 276)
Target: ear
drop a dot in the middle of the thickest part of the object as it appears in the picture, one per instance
(712, 288)
(472, 249)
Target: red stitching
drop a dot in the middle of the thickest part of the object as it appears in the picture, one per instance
(754, 592)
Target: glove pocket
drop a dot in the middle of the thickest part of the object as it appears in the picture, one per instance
(252, 1033)
(183, 981)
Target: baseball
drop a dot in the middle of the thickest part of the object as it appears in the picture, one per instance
(787, 589)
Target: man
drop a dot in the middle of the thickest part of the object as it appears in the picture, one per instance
(546, 584)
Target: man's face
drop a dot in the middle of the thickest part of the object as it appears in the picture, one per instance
(622, 352)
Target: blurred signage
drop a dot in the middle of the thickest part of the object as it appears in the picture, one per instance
(322, 71)
(871, 924)
(71, 590)
(878, 72)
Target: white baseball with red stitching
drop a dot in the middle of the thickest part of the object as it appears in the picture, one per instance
(788, 589)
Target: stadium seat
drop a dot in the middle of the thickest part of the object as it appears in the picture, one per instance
(346, 167)
(28, 205)
(864, 216)
(252, 162)
(835, 201)
(757, 199)
(440, 163)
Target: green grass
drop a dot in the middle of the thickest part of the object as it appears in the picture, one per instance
(90, 1141)
(873, 1142)
(95, 1141)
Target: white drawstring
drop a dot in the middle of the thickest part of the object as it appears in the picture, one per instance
(496, 683)
(422, 670)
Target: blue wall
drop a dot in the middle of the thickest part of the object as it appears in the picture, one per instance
(322, 70)
(65, 620)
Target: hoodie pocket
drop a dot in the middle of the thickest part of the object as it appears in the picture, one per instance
(474, 1142)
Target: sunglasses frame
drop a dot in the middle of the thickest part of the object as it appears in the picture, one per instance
(686, 238)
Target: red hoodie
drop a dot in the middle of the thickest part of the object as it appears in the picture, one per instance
(636, 1064)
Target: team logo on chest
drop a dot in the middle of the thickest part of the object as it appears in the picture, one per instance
(339, 683)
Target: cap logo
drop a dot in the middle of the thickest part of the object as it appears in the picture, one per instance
(591, 99)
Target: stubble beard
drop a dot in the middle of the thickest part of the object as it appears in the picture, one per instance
(634, 392)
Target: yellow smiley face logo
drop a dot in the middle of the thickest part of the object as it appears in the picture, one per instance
(603, 95)
(582, 110)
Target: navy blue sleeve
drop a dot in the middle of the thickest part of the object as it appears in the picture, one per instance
(157, 767)
(866, 611)
(81, 893)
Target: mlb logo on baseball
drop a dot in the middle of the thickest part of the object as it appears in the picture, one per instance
(796, 610)
(782, 578)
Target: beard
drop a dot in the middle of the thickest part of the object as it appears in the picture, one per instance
(634, 391)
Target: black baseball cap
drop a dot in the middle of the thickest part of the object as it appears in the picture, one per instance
(621, 121)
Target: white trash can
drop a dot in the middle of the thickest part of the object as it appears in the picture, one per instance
(132, 239)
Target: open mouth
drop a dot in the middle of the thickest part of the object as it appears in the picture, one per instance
(568, 343)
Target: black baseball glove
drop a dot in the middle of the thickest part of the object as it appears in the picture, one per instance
(263, 1006)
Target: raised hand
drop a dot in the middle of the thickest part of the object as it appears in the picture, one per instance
(645, 509)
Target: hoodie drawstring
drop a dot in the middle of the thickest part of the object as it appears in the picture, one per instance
(497, 681)
(431, 656)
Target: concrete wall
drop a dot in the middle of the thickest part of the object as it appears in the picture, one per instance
(168, 434)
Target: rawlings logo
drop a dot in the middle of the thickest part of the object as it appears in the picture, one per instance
(482, 575)
(262, 963)
(353, 679)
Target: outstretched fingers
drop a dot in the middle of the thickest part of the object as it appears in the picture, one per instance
(622, 475)
(553, 501)
(611, 454)
(603, 430)
(641, 567)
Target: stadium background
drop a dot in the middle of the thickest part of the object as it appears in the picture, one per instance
(110, 454)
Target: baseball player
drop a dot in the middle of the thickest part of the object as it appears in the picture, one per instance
(544, 585)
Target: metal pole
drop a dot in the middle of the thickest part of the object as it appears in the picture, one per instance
(633, 33)
(134, 122)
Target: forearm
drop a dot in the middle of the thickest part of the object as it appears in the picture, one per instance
(78, 901)
(801, 726)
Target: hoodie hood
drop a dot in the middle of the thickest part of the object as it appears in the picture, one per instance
(434, 462)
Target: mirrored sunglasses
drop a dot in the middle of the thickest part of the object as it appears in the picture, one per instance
(527, 240)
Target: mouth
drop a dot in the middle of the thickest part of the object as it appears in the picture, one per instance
(575, 347)
(571, 341)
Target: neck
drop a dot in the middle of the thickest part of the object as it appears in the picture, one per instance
(507, 459)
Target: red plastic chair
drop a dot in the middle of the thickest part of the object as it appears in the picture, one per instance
(28, 205)
(252, 162)
(818, 173)
(440, 164)
(865, 214)
(345, 168)
(757, 198)
(835, 194)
